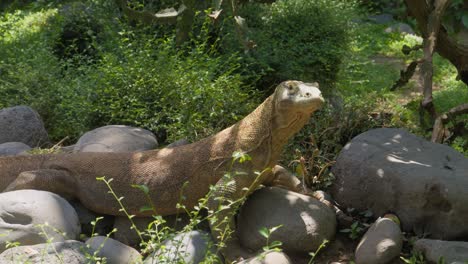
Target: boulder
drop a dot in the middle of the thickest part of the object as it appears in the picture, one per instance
(400, 28)
(114, 251)
(381, 243)
(393, 170)
(13, 148)
(190, 247)
(21, 211)
(22, 124)
(381, 18)
(305, 221)
(450, 251)
(116, 138)
(70, 252)
(271, 257)
(102, 226)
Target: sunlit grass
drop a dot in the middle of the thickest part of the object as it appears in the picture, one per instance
(15, 26)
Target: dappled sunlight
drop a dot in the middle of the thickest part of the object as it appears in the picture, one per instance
(397, 159)
(28, 24)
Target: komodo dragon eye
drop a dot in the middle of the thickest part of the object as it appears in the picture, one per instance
(292, 88)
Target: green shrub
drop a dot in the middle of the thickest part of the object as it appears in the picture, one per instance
(191, 92)
(300, 39)
(132, 75)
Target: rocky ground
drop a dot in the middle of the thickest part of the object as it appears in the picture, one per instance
(423, 185)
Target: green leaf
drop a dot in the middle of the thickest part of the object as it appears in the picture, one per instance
(273, 229)
(142, 187)
(264, 232)
(146, 208)
(276, 244)
(465, 19)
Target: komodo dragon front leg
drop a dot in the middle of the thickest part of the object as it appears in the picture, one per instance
(228, 196)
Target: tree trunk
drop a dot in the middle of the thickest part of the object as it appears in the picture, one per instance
(447, 47)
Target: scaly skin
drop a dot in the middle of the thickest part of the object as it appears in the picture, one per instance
(262, 134)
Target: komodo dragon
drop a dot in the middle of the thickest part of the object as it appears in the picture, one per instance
(262, 134)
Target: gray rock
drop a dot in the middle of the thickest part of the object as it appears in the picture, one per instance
(101, 227)
(401, 28)
(70, 252)
(13, 148)
(114, 251)
(177, 143)
(270, 257)
(450, 251)
(116, 138)
(22, 124)
(423, 183)
(381, 243)
(191, 247)
(67, 149)
(21, 211)
(305, 221)
(125, 234)
(381, 19)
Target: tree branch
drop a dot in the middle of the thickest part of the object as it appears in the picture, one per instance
(439, 131)
(456, 53)
(429, 44)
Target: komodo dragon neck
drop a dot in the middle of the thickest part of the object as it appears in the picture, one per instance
(265, 131)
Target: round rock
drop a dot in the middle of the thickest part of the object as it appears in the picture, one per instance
(22, 124)
(390, 169)
(270, 257)
(116, 138)
(89, 225)
(13, 148)
(114, 251)
(21, 211)
(450, 251)
(305, 221)
(189, 247)
(401, 28)
(381, 243)
(70, 252)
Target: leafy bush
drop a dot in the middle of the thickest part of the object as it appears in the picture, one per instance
(189, 93)
(300, 39)
(123, 75)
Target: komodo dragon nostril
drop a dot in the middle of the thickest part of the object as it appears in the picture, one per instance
(307, 94)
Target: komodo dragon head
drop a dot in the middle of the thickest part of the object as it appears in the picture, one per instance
(297, 96)
(285, 113)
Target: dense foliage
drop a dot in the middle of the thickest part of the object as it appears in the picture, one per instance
(304, 40)
(82, 64)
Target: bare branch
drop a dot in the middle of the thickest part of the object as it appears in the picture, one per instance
(439, 131)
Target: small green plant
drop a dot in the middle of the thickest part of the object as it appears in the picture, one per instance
(354, 231)
(266, 233)
(360, 224)
(415, 258)
(320, 248)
